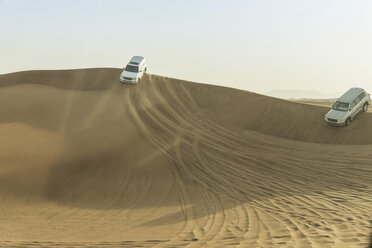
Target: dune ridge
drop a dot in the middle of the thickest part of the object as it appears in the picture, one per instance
(170, 163)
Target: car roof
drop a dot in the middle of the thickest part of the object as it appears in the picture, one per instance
(136, 60)
(350, 95)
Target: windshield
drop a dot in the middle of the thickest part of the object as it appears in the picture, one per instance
(341, 106)
(131, 68)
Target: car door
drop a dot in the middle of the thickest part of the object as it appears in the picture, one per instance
(358, 105)
(362, 97)
(360, 102)
(353, 108)
(143, 68)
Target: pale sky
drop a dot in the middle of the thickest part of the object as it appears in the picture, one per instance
(259, 46)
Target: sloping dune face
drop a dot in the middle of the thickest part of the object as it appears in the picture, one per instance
(88, 161)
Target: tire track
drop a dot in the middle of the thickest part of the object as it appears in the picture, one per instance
(204, 144)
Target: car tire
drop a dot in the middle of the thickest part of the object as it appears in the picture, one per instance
(365, 107)
(347, 122)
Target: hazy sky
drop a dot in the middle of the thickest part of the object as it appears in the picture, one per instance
(253, 45)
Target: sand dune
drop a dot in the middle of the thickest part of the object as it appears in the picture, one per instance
(88, 162)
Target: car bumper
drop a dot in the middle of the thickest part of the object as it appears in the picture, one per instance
(133, 81)
(334, 123)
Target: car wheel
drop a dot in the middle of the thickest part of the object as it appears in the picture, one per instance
(365, 107)
(347, 122)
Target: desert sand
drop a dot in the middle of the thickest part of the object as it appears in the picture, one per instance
(86, 161)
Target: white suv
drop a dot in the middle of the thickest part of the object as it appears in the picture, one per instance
(134, 70)
(348, 106)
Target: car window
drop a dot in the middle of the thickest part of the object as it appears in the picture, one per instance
(352, 104)
(357, 100)
(362, 95)
(131, 68)
(341, 106)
